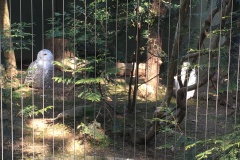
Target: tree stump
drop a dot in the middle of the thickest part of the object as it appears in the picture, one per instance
(59, 47)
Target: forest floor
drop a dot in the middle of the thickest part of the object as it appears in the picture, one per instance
(100, 132)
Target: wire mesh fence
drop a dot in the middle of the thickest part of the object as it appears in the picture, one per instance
(119, 79)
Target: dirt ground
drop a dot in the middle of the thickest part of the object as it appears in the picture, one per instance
(28, 136)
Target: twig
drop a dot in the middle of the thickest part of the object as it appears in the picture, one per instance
(100, 90)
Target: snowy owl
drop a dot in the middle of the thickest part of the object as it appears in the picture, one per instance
(192, 79)
(40, 72)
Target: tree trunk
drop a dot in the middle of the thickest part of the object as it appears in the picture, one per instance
(154, 49)
(153, 62)
(59, 48)
(9, 56)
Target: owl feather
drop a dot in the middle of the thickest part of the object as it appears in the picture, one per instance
(39, 73)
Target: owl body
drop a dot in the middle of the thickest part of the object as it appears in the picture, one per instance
(192, 79)
(40, 72)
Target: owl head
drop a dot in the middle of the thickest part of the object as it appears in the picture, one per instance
(45, 55)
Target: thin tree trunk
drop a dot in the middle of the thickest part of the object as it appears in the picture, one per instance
(132, 103)
(9, 56)
(135, 89)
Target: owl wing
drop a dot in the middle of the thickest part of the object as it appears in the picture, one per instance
(31, 72)
(48, 74)
(48, 68)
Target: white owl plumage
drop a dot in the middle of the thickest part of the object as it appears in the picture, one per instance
(40, 72)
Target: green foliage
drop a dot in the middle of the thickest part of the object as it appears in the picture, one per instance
(221, 148)
(29, 111)
(97, 26)
(91, 96)
(89, 80)
(17, 35)
(89, 93)
(63, 80)
(224, 147)
(94, 133)
(74, 28)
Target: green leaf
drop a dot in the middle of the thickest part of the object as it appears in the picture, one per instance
(89, 80)
(94, 97)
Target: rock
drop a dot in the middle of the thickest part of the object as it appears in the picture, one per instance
(69, 114)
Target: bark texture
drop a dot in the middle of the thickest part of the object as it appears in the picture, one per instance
(6, 47)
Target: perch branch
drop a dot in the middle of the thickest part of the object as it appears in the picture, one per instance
(206, 28)
(182, 92)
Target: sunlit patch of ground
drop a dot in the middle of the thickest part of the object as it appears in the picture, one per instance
(48, 139)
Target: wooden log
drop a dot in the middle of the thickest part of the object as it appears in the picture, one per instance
(125, 68)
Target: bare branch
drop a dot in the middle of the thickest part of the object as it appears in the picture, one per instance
(206, 28)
